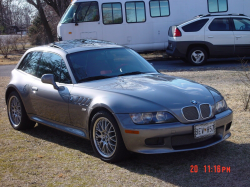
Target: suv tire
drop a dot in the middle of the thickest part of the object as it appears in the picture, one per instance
(197, 56)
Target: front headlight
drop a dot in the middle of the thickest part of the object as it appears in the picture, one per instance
(152, 117)
(220, 106)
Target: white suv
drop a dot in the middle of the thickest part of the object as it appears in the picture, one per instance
(209, 36)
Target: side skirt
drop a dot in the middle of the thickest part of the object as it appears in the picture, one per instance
(62, 127)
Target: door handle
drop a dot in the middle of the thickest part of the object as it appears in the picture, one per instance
(34, 89)
(210, 36)
(238, 36)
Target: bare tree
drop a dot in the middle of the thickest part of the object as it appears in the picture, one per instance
(5, 46)
(14, 42)
(59, 6)
(23, 41)
(38, 4)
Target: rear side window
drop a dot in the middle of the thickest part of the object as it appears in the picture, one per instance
(220, 24)
(241, 24)
(30, 63)
(51, 63)
(112, 13)
(159, 8)
(135, 12)
(195, 26)
(217, 6)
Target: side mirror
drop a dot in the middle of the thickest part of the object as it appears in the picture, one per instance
(49, 79)
(75, 19)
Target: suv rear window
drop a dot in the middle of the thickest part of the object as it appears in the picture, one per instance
(195, 26)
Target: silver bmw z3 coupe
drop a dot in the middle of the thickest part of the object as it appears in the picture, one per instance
(112, 96)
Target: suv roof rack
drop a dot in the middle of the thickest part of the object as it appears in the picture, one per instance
(207, 15)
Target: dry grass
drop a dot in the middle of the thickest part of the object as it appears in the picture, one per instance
(47, 157)
(12, 59)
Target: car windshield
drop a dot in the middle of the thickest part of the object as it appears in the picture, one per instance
(107, 63)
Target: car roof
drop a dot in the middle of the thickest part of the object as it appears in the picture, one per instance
(72, 46)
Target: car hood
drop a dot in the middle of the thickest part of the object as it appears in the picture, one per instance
(170, 92)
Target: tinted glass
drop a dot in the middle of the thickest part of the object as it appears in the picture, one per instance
(51, 63)
(87, 12)
(135, 12)
(159, 8)
(241, 24)
(68, 15)
(107, 62)
(30, 63)
(217, 5)
(195, 26)
(220, 24)
(112, 13)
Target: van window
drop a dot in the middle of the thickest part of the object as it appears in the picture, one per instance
(69, 13)
(112, 13)
(159, 8)
(87, 12)
(217, 6)
(135, 11)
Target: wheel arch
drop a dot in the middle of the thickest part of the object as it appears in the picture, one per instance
(198, 45)
(9, 90)
(97, 109)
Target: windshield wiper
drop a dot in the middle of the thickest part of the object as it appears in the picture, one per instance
(132, 73)
(94, 78)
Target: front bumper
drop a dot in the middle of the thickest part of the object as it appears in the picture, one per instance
(173, 137)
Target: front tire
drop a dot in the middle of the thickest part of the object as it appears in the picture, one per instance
(17, 114)
(197, 56)
(106, 138)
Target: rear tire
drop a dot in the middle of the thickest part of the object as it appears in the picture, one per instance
(197, 56)
(106, 138)
(16, 112)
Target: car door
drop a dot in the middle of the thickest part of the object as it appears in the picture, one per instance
(50, 103)
(220, 37)
(241, 27)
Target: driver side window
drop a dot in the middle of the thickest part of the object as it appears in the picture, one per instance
(241, 24)
(51, 63)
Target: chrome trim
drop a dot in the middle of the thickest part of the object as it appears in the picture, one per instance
(210, 110)
(196, 109)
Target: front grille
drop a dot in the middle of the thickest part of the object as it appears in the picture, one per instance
(190, 113)
(205, 110)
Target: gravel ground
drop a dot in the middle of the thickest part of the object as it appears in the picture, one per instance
(46, 157)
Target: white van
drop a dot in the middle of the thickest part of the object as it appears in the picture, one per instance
(140, 25)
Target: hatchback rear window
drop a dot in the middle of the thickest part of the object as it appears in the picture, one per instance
(195, 26)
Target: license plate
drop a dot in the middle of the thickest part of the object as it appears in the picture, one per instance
(204, 130)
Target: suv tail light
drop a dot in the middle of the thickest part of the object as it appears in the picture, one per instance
(177, 32)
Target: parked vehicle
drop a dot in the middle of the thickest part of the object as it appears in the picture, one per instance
(111, 95)
(141, 25)
(210, 36)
